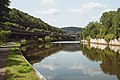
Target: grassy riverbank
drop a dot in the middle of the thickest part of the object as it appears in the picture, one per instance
(17, 68)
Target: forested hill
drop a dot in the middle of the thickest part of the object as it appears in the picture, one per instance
(18, 25)
(72, 30)
(108, 28)
(20, 20)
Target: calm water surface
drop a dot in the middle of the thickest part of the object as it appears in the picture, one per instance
(73, 61)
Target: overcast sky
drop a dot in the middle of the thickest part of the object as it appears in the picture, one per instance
(62, 13)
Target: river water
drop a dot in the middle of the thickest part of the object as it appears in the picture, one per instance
(71, 60)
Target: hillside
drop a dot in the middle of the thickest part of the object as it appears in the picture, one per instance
(21, 20)
(19, 25)
(72, 30)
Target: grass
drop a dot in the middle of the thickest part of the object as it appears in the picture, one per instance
(17, 68)
(2, 44)
(16, 43)
(11, 43)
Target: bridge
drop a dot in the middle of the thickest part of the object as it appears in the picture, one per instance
(22, 34)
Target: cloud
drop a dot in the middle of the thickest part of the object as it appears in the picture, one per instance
(49, 12)
(50, 66)
(48, 2)
(94, 5)
(76, 11)
(87, 7)
(86, 70)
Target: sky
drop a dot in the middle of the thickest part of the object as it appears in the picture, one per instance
(65, 13)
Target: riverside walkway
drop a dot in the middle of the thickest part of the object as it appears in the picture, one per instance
(4, 50)
(3, 58)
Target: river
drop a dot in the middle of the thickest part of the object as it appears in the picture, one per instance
(71, 60)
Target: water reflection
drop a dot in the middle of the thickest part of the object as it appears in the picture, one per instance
(109, 57)
(74, 61)
(115, 48)
(35, 53)
(102, 47)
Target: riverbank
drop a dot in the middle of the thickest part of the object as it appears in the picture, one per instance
(16, 67)
(114, 42)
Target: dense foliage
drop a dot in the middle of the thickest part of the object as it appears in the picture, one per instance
(4, 35)
(13, 19)
(24, 21)
(108, 27)
(4, 9)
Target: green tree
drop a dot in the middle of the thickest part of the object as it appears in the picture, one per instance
(108, 27)
(4, 9)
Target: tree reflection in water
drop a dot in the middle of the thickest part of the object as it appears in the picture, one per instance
(108, 56)
(36, 53)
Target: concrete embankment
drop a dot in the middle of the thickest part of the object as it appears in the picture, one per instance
(113, 42)
(113, 45)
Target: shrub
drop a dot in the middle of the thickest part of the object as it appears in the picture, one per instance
(109, 36)
(40, 39)
(4, 35)
(47, 39)
(60, 38)
(47, 45)
(32, 41)
(23, 41)
(8, 25)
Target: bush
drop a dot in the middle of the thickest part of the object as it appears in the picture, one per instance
(37, 30)
(40, 39)
(23, 41)
(23, 48)
(47, 45)
(32, 41)
(8, 25)
(109, 37)
(4, 35)
(47, 39)
(60, 38)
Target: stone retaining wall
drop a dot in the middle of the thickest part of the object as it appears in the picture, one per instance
(102, 41)
(98, 41)
(114, 42)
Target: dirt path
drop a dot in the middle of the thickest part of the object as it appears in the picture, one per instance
(3, 58)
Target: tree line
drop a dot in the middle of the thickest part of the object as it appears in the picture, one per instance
(108, 28)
